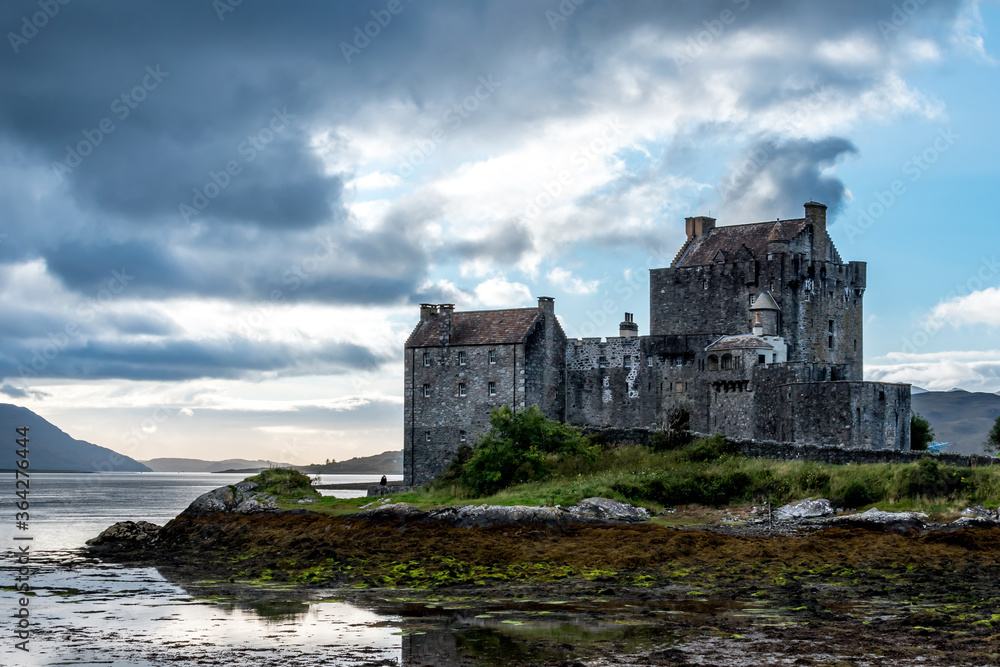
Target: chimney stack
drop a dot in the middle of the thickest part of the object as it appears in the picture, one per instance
(547, 305)
(699, 226)
(446, 310)
(628, 328)
(758, 328)
(816, 214)
(426, 310)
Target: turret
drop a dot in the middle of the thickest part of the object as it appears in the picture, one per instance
(767, 314)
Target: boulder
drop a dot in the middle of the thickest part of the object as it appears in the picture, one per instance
(609, 510)
(805, 509)
(982, 512)
(975, 522)
(876, 519)
(238, 498)
(126, 535)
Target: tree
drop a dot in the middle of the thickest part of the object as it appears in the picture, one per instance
(992, 443)
(921, 433)
(519, 447)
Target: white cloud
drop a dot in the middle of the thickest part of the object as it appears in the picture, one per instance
(569, 283)
(940, 371)
(498, 292)
(374, 181)
(982, 307)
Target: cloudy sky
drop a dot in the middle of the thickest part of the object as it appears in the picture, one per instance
(219, 218)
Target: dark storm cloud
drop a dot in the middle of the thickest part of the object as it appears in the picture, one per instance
(17, 392)
(178, 106)
(791, 170)
(63, 357)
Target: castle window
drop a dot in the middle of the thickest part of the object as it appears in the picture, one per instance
(727, 362)
(753, 299)
(761, 359)
(855, 346)
(713, 362)
(628, 361)
(427, 436)
(679, 361)
(461, 389)
(427, 391)
(492, 387)
(461, 436)
(427, 358)
(602, 361)
(491, 356)
(649, 362)
(462, 358)
(678, 387)
(830, 327)
(829, 342)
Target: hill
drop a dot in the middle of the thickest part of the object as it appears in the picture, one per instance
(52, 449)
(959, 417)
(198, 465)
(386, 463)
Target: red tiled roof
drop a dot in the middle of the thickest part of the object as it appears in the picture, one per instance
(738, 241)
(477, 327)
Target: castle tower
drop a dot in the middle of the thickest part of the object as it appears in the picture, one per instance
(767, 314)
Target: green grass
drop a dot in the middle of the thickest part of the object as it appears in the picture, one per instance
(705, 473)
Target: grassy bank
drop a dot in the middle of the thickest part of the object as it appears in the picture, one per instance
(705, 473)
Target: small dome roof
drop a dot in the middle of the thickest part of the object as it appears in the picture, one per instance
(764, 302)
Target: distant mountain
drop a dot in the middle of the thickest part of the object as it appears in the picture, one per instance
(198, 465)
(914, 389)
(51, 449)
(386, 463)
(959, 417)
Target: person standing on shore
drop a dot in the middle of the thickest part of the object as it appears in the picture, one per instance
(383, 482)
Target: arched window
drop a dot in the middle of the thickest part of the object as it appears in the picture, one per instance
(713, 362)
(727, 362)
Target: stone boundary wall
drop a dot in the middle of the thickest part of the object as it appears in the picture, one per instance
(789, 451)
(379, 490)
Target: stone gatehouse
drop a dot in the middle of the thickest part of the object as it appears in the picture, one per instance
(756, 332)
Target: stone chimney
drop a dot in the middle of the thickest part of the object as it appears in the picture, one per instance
(699, 226)
(547, 305)
(758, 328)
(427, 310)
(628, 328)
(816, 214)
(445, 311)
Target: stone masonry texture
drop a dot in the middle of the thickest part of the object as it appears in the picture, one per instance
(795, 379)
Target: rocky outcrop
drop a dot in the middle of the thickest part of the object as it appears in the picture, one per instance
(590, 510)
(876, 519)
(126, 536)
(805, 509)
(239, 498)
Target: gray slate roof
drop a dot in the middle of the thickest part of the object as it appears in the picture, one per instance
(741, 342)
(738, 242)
(477, 327)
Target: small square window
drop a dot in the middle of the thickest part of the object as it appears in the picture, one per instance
(427, 358)
(461, 436)
(761, 359)
(493, 388)
(649, 362)
(461, 389)
(679, 361)
(462, 358)
(427, 391)
(492, 356)
(678, 387)
(427, 436)
(628, 361)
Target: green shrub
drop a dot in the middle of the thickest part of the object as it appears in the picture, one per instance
(921, 433)
(855, 493)
(519, 447)
(284, 483)
(707, 449)
(927, 477)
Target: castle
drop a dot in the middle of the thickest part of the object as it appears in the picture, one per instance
(755, 333)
